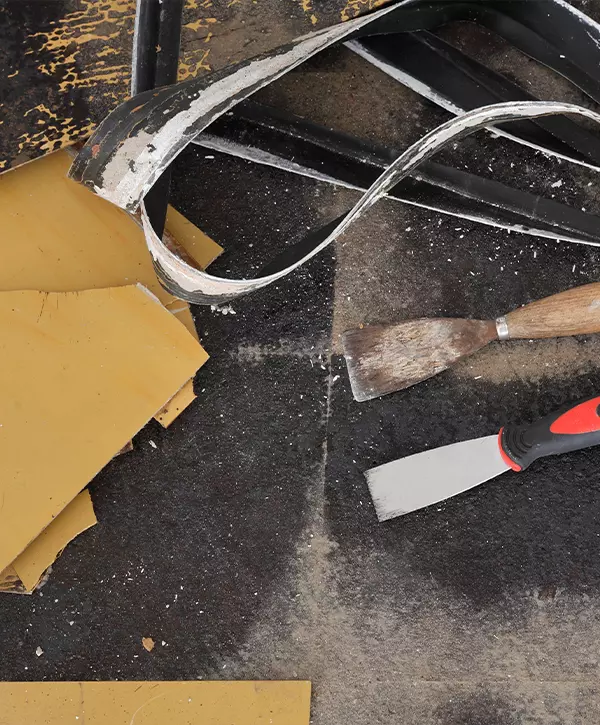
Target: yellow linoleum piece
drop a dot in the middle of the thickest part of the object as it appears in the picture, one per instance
(46, 548)
(58, 236)
(196, 243)
(82, 373)
(155, 703)
(178, 403)
(186, 396)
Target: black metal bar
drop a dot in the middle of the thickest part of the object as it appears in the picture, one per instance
(169, 40)
(550, 31)
(145, 40)
(156, 54)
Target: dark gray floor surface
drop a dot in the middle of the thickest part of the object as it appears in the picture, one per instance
(246, 545)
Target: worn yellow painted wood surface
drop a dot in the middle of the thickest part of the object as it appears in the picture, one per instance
(60, 237)
(82, 373)
(155, 703)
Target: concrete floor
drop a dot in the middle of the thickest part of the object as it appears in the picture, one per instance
(247, 542)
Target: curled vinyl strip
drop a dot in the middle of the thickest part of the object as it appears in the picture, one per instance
(200, 287)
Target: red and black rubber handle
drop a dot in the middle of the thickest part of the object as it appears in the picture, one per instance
(571, 428)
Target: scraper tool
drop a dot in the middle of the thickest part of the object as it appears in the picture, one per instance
(384, 358)
(411, 483)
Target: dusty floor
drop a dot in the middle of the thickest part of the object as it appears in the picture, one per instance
(246, 543)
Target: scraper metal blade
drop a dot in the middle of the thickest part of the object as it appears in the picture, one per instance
(411, 483)
(426, 478)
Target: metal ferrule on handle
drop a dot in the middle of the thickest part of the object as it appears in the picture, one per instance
(502, 328)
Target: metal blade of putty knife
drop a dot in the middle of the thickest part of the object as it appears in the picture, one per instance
(384, 358)
(414, 482)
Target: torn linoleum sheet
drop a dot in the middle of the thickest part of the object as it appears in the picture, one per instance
(132, 147)
(58, 237)
(111, 359)
(156, 703)
(26, 571)
(136, 143)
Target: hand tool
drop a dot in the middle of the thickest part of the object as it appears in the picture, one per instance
(384, 358)
(411, 483)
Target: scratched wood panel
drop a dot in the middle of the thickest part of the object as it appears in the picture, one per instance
(65, 64)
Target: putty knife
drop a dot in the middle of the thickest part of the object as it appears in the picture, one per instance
(411, 483)
(384, 358)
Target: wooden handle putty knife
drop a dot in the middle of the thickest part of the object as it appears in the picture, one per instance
(384, 358)
(426, 478)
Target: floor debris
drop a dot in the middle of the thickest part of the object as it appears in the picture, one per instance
(148, 643)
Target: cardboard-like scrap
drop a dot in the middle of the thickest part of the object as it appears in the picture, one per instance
(24, 574)
(10, 582)
(57, 236)
(155, 703)
(82, 373)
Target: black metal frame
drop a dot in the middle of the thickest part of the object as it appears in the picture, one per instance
(157, 38)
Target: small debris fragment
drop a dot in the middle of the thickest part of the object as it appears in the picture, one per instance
(148, 643)
(153, 444)
(39, 651)
(226, 310)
